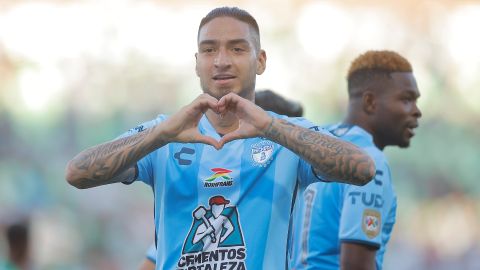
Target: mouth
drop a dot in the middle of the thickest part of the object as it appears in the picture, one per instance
(223, 78)
(410, 129)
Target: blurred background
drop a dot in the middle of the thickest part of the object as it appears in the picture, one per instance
(76, 73)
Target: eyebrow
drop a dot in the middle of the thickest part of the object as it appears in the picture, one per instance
(237, 41)
(411, 92)
(207, 42)
(230, 42)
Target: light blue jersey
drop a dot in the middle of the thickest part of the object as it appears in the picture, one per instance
(327, 214)
(223, 209)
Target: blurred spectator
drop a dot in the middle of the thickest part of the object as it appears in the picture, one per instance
(443, 247)
(18, 242)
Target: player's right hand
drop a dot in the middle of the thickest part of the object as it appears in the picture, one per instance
(252, 120)
(183, 125)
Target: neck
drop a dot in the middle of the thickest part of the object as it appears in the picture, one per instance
(223, 125)
(358, 118)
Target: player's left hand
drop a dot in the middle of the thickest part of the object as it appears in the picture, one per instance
(253, 120)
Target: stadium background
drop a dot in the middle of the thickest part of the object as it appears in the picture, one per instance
(76, 73)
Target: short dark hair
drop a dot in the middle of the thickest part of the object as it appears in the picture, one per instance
(233, 12)
(373, 66)
(271, 101)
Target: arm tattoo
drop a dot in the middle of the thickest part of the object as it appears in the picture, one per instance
(330, 157)
(112, 161)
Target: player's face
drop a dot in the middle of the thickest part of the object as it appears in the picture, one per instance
(227, 60)
(397, 112)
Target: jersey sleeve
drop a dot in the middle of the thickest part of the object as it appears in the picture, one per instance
(364, 210)
(142, 127)
(144, 168)
(152, 253)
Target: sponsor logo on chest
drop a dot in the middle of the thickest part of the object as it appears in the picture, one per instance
(215, 239)
(220, 178)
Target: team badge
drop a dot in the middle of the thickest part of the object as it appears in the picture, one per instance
(371, 222)
(262, 153)
(215, 239)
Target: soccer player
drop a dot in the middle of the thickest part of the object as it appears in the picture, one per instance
(222, 144)
(267, 100)
(342, 226)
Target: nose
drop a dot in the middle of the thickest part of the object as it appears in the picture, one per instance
(222, 59)
(416, 111)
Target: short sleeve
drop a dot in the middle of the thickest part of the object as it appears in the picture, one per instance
(365, 209)
(152, 253)
(144, 166)
(142, 127)
(145, 169)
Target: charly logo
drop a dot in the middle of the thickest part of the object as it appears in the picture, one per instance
(183, 156)
(262, 153)
(215, 240)
(219, 178)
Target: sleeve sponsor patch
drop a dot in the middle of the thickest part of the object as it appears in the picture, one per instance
(371, 222)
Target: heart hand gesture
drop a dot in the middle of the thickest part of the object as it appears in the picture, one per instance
(252, 120)
(183, 126)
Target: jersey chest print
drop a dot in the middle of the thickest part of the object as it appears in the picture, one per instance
(215, 240)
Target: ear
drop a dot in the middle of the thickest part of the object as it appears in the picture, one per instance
(196, 64)
(261, 62)
(369, 101)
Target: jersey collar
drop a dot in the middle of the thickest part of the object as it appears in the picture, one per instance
(206, 128)
(341, 130)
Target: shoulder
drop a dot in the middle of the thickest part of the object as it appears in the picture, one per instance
(143, 126)
(148, 124)
(359, 137)
(299, 121)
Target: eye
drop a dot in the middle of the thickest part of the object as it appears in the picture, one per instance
(238, 49)
(406, 99)
(208, 50)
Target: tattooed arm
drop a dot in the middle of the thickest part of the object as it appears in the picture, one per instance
(115, 161)
(111, 162)
(330, 157)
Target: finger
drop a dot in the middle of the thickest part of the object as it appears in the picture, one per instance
(228, 102)
(235, 135)
(208, 140)
(206, 102)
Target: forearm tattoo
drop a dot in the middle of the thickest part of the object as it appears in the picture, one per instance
(107, 161)
(330, 157)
